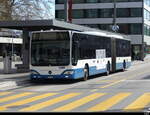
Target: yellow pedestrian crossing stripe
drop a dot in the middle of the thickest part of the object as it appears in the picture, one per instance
(79, 102)
(74, 103)
(139, 103)
(5, 99)
(50, 102)
(4, 93)
(25, 101)
(109, 102)
(105, 86)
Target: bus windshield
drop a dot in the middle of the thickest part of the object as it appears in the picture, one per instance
(50, 49)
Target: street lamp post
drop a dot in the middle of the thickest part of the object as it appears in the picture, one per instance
(114, 20)
(115, 27)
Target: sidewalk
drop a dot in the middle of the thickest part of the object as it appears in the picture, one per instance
(146, 60)
(9, 81)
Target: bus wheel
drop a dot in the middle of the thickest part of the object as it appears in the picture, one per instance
(124, 66)
(108, 69)
(86, 74)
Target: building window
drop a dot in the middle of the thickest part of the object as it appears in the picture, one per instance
(110, 1)
(91, 13)
(60, 14)
(146, 30)
(124, 28)
(60, 1)
(105, 1)
(136, 12)
(78, 1)
(123, 12)
(136, 29)
(106, 13)
(92, 1)
(76, 14)
(122, 0)
(129, 12)
(135, 0)
(146, 15)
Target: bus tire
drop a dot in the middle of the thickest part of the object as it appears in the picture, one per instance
(108, 69)
(86, 73)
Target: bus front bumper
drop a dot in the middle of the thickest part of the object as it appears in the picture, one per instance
(36, 76)
(67, 74)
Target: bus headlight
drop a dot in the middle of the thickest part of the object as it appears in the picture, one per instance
(69, 72)
(34, 72)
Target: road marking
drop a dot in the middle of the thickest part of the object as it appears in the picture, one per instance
(5, 99)
(139, 103)
(82, 101)
(4, 93)
(50, 102)
(112, 83)
(105, 105)
(25, 101)
(94, 90)
(107, 80)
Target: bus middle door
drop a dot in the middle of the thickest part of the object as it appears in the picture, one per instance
(113, 54)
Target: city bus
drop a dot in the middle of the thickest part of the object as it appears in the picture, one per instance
(64, 54)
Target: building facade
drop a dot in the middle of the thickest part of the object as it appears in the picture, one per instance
(132, 17)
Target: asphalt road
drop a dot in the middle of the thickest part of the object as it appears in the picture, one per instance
(127, 91)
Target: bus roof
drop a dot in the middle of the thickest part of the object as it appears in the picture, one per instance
(116, 36)
(97, 33)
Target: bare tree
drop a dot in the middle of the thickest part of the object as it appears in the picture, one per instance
(25, 9)
(49, 8)
(5, 10)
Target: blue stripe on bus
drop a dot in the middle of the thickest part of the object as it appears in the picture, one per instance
(120, 65)
(94, 71)
(78, 73)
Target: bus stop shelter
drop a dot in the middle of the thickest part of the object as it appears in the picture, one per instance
(37, 25)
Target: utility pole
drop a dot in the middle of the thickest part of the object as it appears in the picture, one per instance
(114, 20)
(115, 27)
(68, 10)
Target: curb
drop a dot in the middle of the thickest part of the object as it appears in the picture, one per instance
(14, 81)
(6, 85)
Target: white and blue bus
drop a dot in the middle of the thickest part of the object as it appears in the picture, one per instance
(64, 54)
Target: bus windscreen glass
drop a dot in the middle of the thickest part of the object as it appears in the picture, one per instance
(50, 49)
